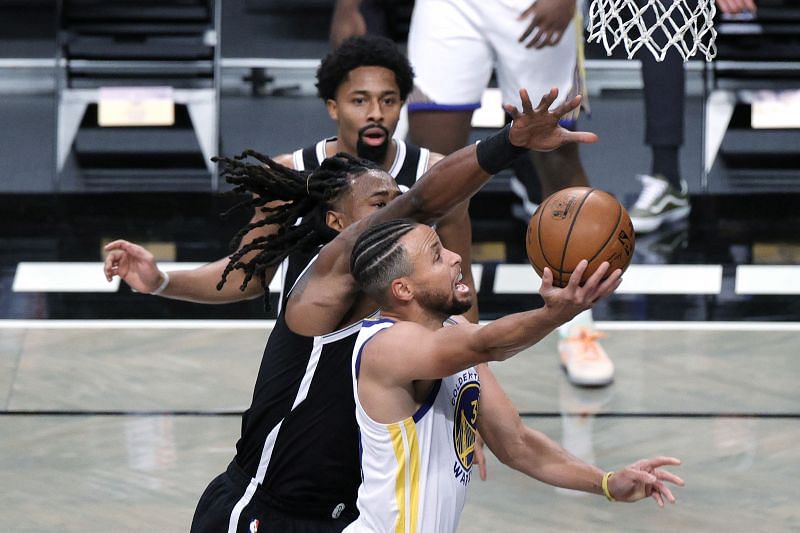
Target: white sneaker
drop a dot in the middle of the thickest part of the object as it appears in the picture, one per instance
(659, 202)
(584, 360)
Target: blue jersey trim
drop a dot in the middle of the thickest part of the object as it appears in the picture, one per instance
(365, 324)
(428, 401)
(430, 106)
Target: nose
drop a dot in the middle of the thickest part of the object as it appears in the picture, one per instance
(455, 259)
(375, 111)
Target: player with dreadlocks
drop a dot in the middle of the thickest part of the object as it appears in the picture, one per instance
(363, 84)
(303, 205)
(296, 466)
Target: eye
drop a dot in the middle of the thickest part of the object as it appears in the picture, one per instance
(391, 100)
(358, 100)
(380, 204)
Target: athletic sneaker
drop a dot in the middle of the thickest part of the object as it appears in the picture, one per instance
(658, 202)
(584, 360)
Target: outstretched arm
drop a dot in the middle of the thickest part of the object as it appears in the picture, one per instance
(443, 352)
(139, 269)
(327, 292)
(533, 453)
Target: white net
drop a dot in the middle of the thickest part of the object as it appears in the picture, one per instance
(658, 25)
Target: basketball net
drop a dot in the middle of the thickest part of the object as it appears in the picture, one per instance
(670, 24)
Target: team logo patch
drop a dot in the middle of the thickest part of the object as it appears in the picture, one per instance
(466, 416)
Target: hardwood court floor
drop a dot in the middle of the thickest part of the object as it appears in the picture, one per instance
(121, 428)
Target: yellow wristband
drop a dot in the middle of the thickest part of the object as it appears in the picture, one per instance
(604, 484)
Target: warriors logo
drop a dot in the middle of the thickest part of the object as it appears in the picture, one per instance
(466, 416)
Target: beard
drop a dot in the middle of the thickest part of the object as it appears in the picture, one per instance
(376, 154)
(444, 303)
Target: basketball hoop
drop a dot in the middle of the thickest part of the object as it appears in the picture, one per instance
(658, 25)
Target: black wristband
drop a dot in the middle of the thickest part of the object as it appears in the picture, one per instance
(496, 152)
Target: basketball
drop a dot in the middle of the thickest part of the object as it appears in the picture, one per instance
(579, 223)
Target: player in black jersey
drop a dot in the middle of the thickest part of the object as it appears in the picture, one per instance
(363, 84)
(296, 465)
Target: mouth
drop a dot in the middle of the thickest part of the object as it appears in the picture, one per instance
(460, 286)
(373, 136)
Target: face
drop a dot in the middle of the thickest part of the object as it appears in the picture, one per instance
(366, 109)
(367, 193)
(436, 275)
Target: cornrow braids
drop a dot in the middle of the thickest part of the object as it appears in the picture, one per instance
(304, 196)
(378, 258)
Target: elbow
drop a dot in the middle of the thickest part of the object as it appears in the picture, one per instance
(424, 209)
(510, 453)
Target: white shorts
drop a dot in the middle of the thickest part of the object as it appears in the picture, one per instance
(453, 46)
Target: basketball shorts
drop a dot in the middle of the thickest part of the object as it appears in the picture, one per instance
(454, 45)
(218, 502)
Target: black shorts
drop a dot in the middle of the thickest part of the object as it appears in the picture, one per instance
(213, 512)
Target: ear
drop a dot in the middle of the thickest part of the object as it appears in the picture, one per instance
(333, 110)
(335, 220)
(402, 290)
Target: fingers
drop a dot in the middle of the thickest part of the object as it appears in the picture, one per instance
(643, 477)
(547, 279)
(539, 37)
(663, 475)
(568, 106)
(577, 275)
(114, 245)
(112, 263)
(610, 284)
(655, 462)
(584, 137)
(597, 276)
(511, 110)
(664, 491)
(547, 100)
(657, 497)
(527, 106)
(527, 32)
(480, 459)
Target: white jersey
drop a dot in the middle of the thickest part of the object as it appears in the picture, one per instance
(454, 45)
(415, 471)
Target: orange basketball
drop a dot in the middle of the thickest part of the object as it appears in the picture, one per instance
(579, 223)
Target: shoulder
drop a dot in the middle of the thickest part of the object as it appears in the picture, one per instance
(397, 335)
(434, 158)
(286, 160)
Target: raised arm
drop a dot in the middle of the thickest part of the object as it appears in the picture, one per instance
(448, 350)
(533, 453)
(139, 269)
(328, 291)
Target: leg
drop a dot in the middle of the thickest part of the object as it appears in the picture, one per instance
(560, 169)
(664, 88)
(665, 196)
(443, 132)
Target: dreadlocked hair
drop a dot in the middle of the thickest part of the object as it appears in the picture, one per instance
(378, 258)
(304, 197)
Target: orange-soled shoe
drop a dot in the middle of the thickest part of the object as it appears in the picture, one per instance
(584, 360)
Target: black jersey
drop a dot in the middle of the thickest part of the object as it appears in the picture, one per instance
(410, 161)
(299, 440)
(409, 164)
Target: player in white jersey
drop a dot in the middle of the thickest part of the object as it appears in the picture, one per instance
(422, 389)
